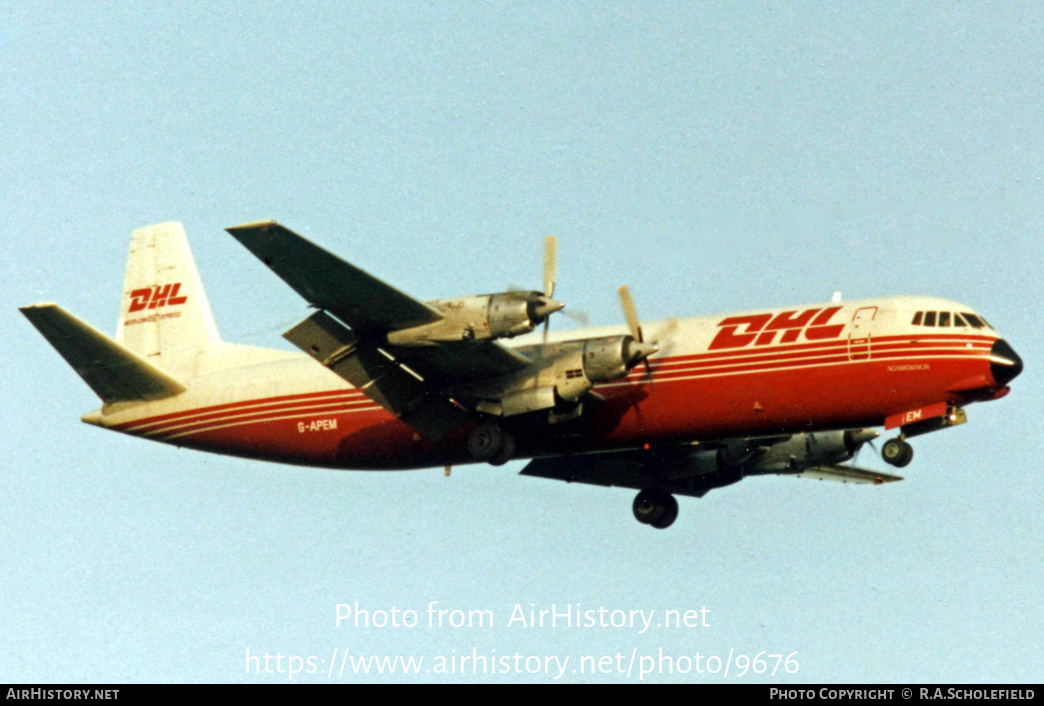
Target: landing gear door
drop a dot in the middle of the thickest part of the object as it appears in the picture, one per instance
(859, 333)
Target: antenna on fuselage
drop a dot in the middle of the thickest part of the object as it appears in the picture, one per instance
(836, 298)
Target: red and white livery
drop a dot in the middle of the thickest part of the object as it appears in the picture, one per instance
(676, 407)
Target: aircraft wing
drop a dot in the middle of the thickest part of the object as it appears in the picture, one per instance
(630, 469)
(360, 300)
(846, 474)
(623, 469)
(372, 308)
(378, 375)
(461, 362)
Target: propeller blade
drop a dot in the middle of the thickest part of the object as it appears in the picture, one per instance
(550, 265)
(578, 315)
(630, 313)
(671, 327)
(863, 437)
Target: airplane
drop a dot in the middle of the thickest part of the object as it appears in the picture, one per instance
(387, 382)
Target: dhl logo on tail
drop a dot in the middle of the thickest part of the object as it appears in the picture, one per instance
(156, 297)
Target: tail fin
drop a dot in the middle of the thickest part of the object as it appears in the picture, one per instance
(165, 317)
(113, 372)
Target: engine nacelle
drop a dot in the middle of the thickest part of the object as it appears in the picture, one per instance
(531, 400)
(710, 469)
(503, 315)
(792, 455)
(613, 357)
(509, 316)
(565, 372)
(803, 451)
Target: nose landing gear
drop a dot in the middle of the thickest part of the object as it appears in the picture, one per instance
(897, 452)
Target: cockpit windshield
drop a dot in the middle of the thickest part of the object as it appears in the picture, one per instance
(948, 319)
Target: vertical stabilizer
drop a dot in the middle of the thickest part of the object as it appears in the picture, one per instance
(164, 317)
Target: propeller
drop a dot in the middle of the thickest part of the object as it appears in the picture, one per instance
(578, 315)
(640, 350)
(550, 274)
(550, 265)
(540, 304)
(863, 437)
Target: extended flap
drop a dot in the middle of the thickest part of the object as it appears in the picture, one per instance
(378, 375)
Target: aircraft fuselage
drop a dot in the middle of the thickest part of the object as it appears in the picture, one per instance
(781, 371)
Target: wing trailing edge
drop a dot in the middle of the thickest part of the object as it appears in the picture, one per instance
(378, 376)
(847, 474)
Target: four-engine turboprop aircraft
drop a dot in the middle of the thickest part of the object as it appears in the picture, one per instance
(389, 382)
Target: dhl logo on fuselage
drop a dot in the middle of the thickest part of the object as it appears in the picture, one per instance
(762, 329)
(156, 297)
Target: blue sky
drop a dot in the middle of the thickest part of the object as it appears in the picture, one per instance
(715, 157)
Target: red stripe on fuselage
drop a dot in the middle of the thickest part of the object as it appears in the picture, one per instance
(141, 424)
(827, 397)
(834, 353)
(798, 388)
(280, 411)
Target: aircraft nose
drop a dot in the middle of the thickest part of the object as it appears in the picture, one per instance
(1005, 363)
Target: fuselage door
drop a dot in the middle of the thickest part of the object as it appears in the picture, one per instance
(859, 333)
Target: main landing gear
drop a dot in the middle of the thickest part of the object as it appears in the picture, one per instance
(897, 452)
(655, 507)
(488, 442)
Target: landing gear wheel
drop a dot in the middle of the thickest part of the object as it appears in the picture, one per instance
(486, 441)
(655, 507)
(897, 452)
(506, 453)
(907, 456)
(670, 514)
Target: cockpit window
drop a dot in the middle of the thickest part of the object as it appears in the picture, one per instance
(943, 318)
(972, 319)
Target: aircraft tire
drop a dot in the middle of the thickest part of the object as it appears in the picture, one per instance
(485, 441)
(670, 513)
(506, 453)
(651, 506)
(906, 457)
(894, 451)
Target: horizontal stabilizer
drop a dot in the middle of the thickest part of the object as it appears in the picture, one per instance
(112, 371)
